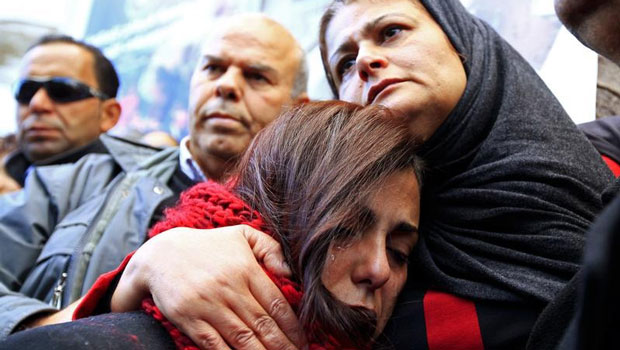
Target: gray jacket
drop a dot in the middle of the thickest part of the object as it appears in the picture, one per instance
(81, 219)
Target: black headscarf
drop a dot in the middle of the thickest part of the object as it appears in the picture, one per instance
(512, 184)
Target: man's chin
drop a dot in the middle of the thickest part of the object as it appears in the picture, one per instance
(41, 151)
(226, 146)
(226, 152)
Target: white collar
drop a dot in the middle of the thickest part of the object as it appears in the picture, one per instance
(189, 166)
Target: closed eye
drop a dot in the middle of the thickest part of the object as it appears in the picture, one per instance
(400, 243)
(398, 257)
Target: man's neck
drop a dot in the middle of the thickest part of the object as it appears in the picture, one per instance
(17, 163)
(214, 168)
(73, 155)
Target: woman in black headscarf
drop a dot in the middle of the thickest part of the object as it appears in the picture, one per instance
(512, 186)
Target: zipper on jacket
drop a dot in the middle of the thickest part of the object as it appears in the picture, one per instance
(156, 166)
(56, 301)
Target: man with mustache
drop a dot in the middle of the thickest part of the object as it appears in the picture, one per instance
(65, 100)
(240, 84)
(53, 248)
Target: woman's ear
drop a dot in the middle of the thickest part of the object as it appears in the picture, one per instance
(110, 114)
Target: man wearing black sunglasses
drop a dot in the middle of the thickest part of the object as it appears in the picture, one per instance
(66, 99)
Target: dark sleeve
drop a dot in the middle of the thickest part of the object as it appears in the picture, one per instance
(597, 317)
(604, 134)
(118, 331)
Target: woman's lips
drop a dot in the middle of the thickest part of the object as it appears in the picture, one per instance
(376, 89)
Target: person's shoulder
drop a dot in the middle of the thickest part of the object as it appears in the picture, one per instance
(604, 134)
(130, 153)
(602, 127)
(113, 142)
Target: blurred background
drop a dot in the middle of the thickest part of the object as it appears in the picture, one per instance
(154, 46)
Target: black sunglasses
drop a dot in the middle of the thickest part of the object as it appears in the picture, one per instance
(59, 89)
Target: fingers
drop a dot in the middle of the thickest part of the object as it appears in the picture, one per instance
(222, 299)
(256, 316)
(270, 298)
(238, 337)
(267, 250)
(270, 316)
(226, 319)
(205, 336)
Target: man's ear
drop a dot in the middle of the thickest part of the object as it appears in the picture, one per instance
(110, 114)
(301, 98)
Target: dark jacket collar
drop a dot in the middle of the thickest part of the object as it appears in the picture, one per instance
(17, 164)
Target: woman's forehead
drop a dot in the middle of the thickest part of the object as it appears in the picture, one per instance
(356, 18)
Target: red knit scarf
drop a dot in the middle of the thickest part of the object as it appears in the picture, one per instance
(210, 205)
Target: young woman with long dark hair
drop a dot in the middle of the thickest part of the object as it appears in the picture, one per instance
(342, 200)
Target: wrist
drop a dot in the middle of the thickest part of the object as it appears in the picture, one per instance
(130, 290)
(32, 321)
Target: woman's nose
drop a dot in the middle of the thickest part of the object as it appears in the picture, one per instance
(369, 62)
(373, 267)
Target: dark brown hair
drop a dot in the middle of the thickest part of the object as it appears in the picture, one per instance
(329, 13)
(105, 73)
(310, 172)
